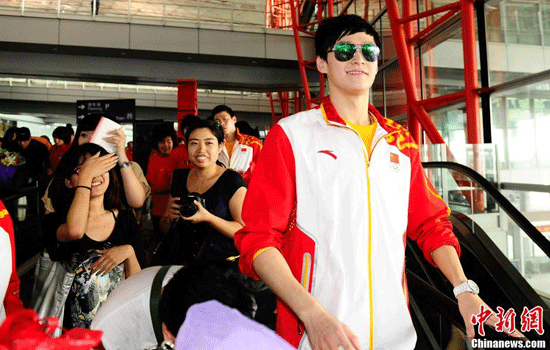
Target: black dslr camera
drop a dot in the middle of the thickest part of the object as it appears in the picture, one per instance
(187, 205)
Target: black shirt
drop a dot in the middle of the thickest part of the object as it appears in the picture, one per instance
(38, 157)
(215, 246)
(124, 232)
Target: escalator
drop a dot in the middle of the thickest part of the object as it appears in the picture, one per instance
(504, 280)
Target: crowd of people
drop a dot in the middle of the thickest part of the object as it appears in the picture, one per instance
(89, 197)
(318, 217)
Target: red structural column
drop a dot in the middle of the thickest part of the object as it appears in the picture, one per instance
(473, 120)
(473, 123)
(187, 99)
(330, 13)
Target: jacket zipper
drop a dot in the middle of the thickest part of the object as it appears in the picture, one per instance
(368, 156)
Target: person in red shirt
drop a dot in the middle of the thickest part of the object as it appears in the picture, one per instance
(11, 303)
(130, 150)
(62, 142)
(180, 150)
(162, 164)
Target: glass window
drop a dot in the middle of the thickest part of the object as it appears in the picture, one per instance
(521, 120)
(514, 28)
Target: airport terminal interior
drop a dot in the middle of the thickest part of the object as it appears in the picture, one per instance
(483, 126)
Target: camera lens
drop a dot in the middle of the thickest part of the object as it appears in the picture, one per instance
(188, 209)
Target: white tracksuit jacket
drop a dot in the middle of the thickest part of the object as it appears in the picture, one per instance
(340, 215)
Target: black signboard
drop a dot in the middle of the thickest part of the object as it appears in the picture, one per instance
(121, 110)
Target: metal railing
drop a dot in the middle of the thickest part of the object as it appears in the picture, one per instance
(251, 13)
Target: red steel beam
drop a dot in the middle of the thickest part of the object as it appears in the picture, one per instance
(330, 9)
(408, 80)
(431, 12)
(299, 52)
(443, 100)
(429, 28)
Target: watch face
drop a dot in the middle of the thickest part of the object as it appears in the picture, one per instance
(473, 286)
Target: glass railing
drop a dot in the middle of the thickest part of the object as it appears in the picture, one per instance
(525, 246)
(457, 191)
(241, 13)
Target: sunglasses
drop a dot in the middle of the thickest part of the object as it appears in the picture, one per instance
(345, 51)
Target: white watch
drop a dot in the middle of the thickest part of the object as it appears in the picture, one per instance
(468, 286)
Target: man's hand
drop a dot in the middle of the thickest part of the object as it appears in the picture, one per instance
(172, 210)
(469, 304)
(326, 332)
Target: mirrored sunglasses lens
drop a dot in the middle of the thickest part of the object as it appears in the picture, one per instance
(344, 52)
(371, 52)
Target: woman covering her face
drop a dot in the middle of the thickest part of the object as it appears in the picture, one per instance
(90, 230)
(136, 189)
(205, 202)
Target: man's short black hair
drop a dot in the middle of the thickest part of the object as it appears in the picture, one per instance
(199, 283)
(334, 28)
(221, 108)
(23, 134)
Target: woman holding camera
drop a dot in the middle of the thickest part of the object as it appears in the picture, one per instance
(204, 229)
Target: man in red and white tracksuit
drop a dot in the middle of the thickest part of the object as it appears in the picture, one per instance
(240, 151)
(10, 302)
(336, 191)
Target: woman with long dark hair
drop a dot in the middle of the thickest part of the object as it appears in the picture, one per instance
(90, 230)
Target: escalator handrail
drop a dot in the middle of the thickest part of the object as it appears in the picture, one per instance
(502, 201)
(505, 275)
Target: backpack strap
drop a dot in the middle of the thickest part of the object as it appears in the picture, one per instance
(154, 302)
